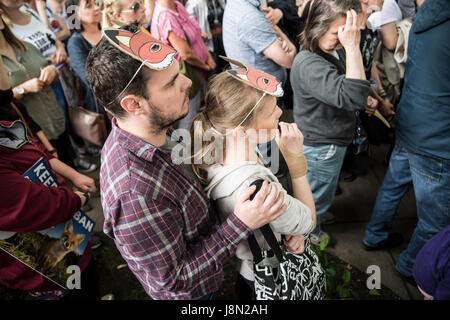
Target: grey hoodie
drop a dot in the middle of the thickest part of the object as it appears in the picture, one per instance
(225, 184)
(325, 100)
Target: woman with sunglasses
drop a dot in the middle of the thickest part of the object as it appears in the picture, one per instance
(119, 13)
(241, 117)
(174, 26)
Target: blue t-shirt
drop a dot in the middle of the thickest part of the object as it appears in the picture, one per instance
(247, 33)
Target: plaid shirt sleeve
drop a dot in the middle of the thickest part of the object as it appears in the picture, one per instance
(151, 237)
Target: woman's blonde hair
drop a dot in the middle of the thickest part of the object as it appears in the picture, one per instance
(110, 8)
(227, 102)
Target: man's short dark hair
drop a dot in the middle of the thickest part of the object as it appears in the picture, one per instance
(108, 71)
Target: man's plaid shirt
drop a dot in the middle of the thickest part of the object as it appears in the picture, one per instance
(162, 221)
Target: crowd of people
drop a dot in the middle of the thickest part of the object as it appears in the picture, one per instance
(168, 73)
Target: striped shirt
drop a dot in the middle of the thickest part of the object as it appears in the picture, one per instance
(162, 221)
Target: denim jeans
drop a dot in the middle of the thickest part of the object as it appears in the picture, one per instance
(324, 166)
(431, 180)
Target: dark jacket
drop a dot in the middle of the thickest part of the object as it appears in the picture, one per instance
(325, 101)
(9, 113)
(423, 113)
(432, 266)
(26, 206)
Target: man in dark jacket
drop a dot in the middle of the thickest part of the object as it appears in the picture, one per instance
(421, 156)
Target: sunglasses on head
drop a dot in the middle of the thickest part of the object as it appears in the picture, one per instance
(134, 8)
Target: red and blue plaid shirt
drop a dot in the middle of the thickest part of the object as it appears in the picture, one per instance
(162, 221)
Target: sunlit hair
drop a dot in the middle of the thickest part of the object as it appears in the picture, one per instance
(321, 16)
(6, 19)
(227, 102)
(110, 8)
(10, 37)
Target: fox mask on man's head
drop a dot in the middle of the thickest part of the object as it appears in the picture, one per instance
(142, 46)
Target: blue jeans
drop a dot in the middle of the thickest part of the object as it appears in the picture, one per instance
(324, 166)
(431, 180)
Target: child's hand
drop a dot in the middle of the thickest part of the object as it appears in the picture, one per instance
(291, 138)
(84, 183)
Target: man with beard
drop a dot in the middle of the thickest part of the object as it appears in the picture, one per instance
(158, 215)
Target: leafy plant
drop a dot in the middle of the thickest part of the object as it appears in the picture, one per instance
(338, 282)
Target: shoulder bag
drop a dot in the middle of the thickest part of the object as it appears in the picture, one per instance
(87, 124)
(282, 275)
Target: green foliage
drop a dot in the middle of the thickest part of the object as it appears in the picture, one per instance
(374, 292)
(338, 282)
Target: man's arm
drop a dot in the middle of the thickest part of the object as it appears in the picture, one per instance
(282, 51)
(153, 233)
(389, 35)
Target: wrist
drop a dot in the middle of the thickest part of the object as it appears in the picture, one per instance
(352, 50)
(19, 91)
(298, 166)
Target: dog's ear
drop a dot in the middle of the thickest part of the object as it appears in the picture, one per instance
(69, 226)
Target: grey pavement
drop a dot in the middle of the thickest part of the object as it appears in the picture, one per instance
(352, 209)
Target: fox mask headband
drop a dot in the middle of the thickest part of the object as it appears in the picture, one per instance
(143, 47)
(257, 79)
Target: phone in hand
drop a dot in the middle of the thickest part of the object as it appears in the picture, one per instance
(263, 3)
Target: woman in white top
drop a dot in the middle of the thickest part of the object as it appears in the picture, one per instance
(28, 28)
(242, 116)
(40, 10)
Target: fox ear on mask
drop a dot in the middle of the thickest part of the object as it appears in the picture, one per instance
(142, 46)
(255, 78)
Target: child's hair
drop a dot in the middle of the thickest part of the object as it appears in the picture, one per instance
(227, 102)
